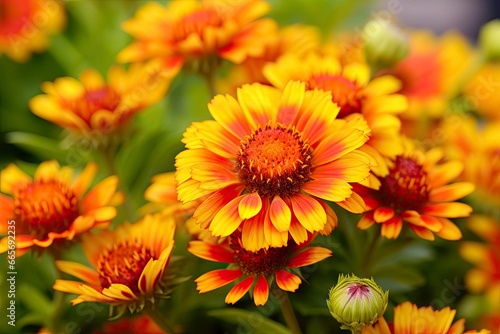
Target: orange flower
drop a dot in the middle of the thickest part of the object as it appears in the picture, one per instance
(195, 30)
(94, 108)
(130, 266)
(482, 91)
(52, 208)
(355, 93)
(261, 267)
(268, 160)
(141, 324)
(416, 191)
(25, 26)
(409, 319)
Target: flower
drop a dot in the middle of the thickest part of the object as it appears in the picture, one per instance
(416, 191)
(189, 31)
(52, 207)
(355, 94)
(96, 109)
(141, 324)
(488, 41)
(130, 266)
(261, 267)
(268, 160)
(356, 302)
(25, 26)
(409, 319)
(481, 91)
(386, 45)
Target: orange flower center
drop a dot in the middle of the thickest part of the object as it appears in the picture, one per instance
(263, 262)
(405, 188)
(195, 23)
(13, 16)
(45, 206)
(345, 93)
(274, 160)
(123, 264)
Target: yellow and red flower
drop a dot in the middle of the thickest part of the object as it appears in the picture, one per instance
(268, 161)
(141, 324)
(482, 91)
(52, 208)
(94, 108)
(129, 266)
(355, 93)
(261, 267)
(410, 319)
(25, 26)
(416, 191)
(192, 30)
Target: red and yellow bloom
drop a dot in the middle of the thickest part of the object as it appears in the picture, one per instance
(130, 265)
(261, 267)
(268, 161)
(53, 207)
(25, 26)
(416, 191)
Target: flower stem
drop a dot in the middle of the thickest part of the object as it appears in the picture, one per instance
(159, 320)
(370, 249)
(57, 301)
(287, 310)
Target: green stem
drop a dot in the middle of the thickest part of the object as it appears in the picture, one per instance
(287, 310)
(67, 56)
(370, 249)
(57, 301)
(159, 320)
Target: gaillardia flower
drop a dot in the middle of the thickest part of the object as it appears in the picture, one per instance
(52, 207)
(192, 31)
(130, 266)
(482, 91)
(410, 319)
(355, 94)
(416, 191)
(261, 267)
(25, 26)
(268, 161)
(141, 324)
(356, 302)
(96, 109)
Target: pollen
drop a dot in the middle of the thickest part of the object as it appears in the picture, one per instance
(346, 93)
(274, 160)
(405, 188)
(45, 206)
(123, 264)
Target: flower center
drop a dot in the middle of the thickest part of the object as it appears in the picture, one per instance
(45, 206)
(405, 188)
(345, 93)
(274, 160)
(195, 23)
(263, 262)
(123, 265)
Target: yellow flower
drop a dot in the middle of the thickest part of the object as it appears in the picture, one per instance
(52, 208)
(268, 161)
(25, 26)
(129, 266)
(96, 109)
(482, 91)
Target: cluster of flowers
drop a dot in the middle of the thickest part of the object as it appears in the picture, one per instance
(300, 128)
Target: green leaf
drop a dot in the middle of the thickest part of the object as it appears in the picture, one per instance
(252, 321)
(43, 147)
(398, 278)
(35, 301)
(31, 319)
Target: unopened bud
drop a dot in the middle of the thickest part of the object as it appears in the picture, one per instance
(489, 40)
(356, 302)
(384, 44)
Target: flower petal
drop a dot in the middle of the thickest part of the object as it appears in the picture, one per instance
(101, 194)
(449, 231)
(85, 178)
(253, 234)
(217, 278)
(287, 281)
(12, 176)
(291, 100)
(227, 220)
(309, 212)
(258, 103)
(451, 192)
(250, 205)
(392, 228)
(280, 214)
(211, 252)
(309, 256)
(79, 271)
(330, 189)
(6, 212)
(239, 290)
(447, 210)
(422, 232)
(383, 214)
(366, 221)
(227, 112)
(261, 291)
(442, 174)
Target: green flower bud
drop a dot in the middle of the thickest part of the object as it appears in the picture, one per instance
(489, 40)
(384, 44)
(356, 302)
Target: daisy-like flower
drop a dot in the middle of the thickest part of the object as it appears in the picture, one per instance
(482, 91)
(355, 93)
(25, 26)
(193, 31)
(261, 267)
(267, 162)
(410, 319)
(52, 207)
(129, 266)
(141, 324)
(97, 109)
(416, 191)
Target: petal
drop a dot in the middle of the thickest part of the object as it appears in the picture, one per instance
(259, 103)
(451, 192)
(353, 203)
(429, 222)
(334, 190)
(102, 214)
(85, 178)
(152, 274)
(250, 205)
(297, 231)
(228, 113)
(47, 170)
(383, 214)
(331, 219)
(447, 210)
(239, 290)
(217, 278)
(309, 256)
(67, 286)
(280, 214)
(253, 235)
(79, 271)
(273, 237)
(211, 252)
(309, 212)
(444, 173)
(366, 221)
(449, 231)
(12, 176)
(227, 220)
(6, 212)
(212, 176)
(287, 281)
(291, 100)
(120, 292)
(392, 228)
(261, 291)
(422, 232)
(101, 194)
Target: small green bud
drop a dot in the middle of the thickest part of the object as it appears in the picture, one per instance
(356, 302)
(384, 44)
(489, 40)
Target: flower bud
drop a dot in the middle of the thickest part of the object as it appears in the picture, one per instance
(356, 302)
(489, 40)
(384, 44)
